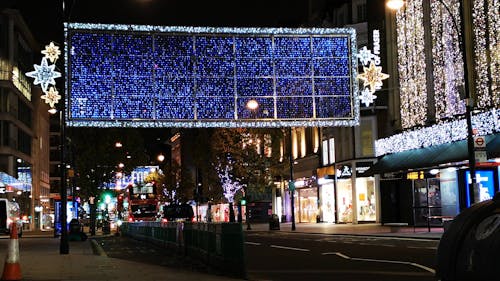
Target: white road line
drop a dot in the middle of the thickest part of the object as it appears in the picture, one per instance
(290, 248)
(253, 243)
(431, 270)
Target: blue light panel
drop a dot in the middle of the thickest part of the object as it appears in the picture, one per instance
(153, 76)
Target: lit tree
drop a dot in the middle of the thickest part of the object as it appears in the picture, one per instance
(230, 185)
(249, 158)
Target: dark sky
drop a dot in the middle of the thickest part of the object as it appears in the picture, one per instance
(45, 17)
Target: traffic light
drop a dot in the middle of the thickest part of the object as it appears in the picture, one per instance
(243, 202)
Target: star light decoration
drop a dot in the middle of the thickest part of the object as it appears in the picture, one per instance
(44, 74)
(51, 52)
(372, 76)
(367, 97)
(51, 97)
(365, 55)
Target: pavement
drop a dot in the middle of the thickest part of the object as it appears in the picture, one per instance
(40, 258)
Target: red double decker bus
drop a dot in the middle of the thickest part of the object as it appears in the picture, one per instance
(142, 203)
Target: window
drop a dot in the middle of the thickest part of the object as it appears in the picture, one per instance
(361, 12)
(24, 113)
(328, 155)
(24, 142)
(325, 153)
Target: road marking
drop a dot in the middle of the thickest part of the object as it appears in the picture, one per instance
(431, 270)
(290, 248)
(253, 243)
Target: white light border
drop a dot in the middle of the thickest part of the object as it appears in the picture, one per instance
(260, 123)
(485, 123)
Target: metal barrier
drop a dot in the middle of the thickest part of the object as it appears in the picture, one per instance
(218, 245)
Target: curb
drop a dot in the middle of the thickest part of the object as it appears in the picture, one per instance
(97, 249)
(356, 234)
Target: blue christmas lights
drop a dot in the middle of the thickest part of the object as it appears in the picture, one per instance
(151, 76)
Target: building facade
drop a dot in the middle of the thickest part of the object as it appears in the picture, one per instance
(423, 167)
(329, 163)
(24, 122)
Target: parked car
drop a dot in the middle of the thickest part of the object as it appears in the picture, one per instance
(178, 212)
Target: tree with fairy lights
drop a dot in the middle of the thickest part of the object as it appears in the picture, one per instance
(230, 185)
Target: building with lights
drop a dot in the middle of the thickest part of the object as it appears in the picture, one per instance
(24, 124)
(423, 167)
(329, 162)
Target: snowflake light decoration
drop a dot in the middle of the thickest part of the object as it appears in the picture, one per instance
(51, 52)
(44, 74)
(51, 97)
(367, 97)
(365, 55)
(372, 76)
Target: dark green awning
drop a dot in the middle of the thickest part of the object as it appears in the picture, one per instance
(431, 156)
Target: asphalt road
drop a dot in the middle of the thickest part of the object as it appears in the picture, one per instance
(295, 256)
(291, 256)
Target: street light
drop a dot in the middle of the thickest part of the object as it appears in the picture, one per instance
(160, 157)
(469, 101)
(291, 183)
(252, 105)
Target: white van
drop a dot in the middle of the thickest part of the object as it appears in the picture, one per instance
(9, 213)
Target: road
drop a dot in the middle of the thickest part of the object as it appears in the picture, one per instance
(298, 256)
(295, 256)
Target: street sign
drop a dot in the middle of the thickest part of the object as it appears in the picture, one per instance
(291, 186)
(479, 142)
(480, 156)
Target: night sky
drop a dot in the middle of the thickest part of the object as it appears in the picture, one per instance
(45, 17)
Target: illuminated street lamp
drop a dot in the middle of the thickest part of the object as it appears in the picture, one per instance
(252, 104)
(161, 157)
(469, 101)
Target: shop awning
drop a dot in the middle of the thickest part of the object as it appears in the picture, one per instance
(431, 156)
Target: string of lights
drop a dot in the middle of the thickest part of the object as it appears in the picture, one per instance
(411, 65)
(485, 123)
(298, 76)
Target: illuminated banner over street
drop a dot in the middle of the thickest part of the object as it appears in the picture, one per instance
(153, 76)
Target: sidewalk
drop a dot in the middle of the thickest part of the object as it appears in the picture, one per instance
(40, 260)
(369, 229)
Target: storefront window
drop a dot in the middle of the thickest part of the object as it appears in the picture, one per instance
(344, 200)
(308, 200)
(365, 193)
(449, 192)
(328, 202)
(427, 201)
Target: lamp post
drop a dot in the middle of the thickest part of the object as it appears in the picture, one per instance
(291, 184)
(469, 101)
(44, 75)
(252, 105)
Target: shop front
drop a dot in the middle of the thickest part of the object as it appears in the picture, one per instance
(326, 184)
(306, 201)
(424, 187)
(347, 196)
